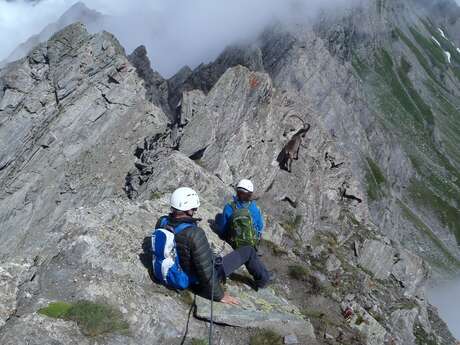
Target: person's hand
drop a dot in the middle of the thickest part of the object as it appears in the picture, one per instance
(227, 299)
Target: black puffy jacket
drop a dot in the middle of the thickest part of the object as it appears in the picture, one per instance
(195, 256)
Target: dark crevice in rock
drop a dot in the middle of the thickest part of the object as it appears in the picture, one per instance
(198, 154)
(270, 186)
(56, 97)
(205, 319)
(5, 165)
(344, 194)
(331, 160)
(112, 80)
(291, 202)
(148, 154)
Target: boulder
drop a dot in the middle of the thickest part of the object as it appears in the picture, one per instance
(258, 309)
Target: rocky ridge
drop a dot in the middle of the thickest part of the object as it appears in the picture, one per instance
(77, 118)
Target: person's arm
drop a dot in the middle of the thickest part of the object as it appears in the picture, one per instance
(201, 256)
(258, 220)
(224, 220)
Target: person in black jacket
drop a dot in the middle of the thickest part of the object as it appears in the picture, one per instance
(195, 255)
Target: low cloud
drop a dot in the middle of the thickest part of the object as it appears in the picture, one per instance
(176, 32)
(445, 298)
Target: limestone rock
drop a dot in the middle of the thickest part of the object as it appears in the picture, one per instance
(385, 261)
(362, 320)
(261, 309)
(206, 75)
(156, 86)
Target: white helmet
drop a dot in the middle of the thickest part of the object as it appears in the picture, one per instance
(246, 185)
(184, 199)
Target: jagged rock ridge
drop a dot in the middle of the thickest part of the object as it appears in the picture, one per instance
(76, 120)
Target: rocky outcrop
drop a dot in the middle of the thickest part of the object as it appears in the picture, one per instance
(155, 85)
(88, 162)
(65, 110)
(262, 309)
(385, 261)
(206, 75)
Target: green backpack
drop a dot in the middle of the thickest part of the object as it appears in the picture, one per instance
(242, 231)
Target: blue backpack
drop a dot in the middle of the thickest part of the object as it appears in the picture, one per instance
(165, 260)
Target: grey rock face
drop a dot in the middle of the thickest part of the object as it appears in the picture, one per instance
(156, 86)
(261, 309)
(362, 320)
(64, 117)
(385, 261)
(206, 75)
(230, 130)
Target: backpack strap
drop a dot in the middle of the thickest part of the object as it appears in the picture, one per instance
(235, 207)
(181, 227)
(177, 229)
(164, 221)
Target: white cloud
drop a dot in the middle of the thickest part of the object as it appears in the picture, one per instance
(445, 298)
(176, 32)
(19, 20)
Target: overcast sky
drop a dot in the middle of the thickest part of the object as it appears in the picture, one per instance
(176, 32)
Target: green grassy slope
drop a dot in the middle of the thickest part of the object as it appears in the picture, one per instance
(413, 86)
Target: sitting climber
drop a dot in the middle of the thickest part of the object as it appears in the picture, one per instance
(241, 223)
(195, 258)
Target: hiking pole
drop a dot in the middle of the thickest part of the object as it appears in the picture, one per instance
(188, 320)
(214, 255)
(212, 295)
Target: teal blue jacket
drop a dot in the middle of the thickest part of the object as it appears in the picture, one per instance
(224, 221)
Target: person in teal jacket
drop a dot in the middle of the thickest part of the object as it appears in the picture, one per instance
(244, 191)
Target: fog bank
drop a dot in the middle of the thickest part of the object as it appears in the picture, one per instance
(176, 32)
(446, 298)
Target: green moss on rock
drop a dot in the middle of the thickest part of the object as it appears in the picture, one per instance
(375, 180)
(298, 272)
(427, 198)
(55, 310)
(266, 337)
(93, 318)
(423, 338)
(452, 262)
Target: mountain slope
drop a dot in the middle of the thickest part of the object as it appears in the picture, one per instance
(79, 133)
(411, 80)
